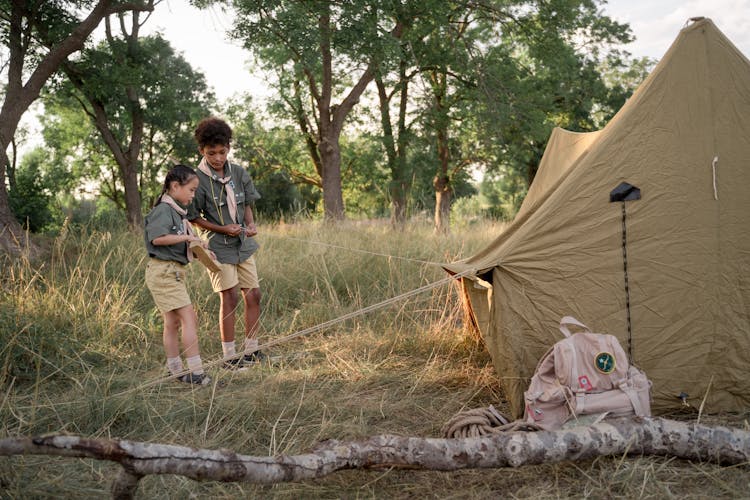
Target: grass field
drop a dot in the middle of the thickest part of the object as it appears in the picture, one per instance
(81, 353)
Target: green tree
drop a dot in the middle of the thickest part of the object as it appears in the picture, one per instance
(320, 54)
(276, 159)
(500, 75)
(393, 79)
(143, 99)
(557, 76)
(38, 37)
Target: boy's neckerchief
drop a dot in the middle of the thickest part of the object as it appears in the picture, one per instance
(186, 226)
(228, 185)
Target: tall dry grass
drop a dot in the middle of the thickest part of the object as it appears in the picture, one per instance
(80, 352)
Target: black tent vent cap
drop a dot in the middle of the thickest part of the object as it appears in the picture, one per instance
(625, 192)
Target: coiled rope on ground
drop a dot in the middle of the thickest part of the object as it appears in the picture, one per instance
(479, 422)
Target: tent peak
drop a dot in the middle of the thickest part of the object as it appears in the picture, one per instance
(696, 21)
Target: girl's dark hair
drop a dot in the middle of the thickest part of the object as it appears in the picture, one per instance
(180, 174)
(213, 131)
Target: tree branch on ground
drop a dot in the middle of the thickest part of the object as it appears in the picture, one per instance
(614, 437)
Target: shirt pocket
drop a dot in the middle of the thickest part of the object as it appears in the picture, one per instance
(239, 197)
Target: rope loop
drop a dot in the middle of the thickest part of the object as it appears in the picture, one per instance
(480, 422)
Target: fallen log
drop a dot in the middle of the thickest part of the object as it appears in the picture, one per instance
(620, 436)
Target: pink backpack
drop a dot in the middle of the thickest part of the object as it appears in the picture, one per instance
(585, 373)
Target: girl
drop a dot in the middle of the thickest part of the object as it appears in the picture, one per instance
(168, 235)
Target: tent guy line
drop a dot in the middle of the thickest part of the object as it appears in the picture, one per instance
(357, 250)
(324, 325)
(299, 333)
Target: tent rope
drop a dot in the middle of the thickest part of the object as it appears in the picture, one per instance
(319, 327)
(367, 252)
(370, 308)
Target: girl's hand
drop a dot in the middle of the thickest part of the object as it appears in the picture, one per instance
(251, 229)
(232, 229)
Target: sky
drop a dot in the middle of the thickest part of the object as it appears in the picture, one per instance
(201, 35)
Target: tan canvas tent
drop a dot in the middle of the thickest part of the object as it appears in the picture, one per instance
(683, 140)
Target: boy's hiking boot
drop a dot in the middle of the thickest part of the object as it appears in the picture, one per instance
(256, 358)
(194, 379)
(235, 364)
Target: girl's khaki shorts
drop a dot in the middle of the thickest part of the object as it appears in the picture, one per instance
(166, 282)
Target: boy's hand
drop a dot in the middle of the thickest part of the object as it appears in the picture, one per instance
(232, 229)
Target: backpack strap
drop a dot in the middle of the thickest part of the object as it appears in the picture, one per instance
(628, 389)
(570, 320)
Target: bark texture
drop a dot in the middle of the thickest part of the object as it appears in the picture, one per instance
(623, 436)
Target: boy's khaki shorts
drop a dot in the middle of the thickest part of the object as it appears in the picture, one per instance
(244, 274)
(166, 282)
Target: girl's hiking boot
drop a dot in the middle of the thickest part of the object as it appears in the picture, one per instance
(194, 379)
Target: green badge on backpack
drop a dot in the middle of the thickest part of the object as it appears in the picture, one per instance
(605, 362)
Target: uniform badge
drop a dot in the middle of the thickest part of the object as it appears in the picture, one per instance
(584, 383)
(605, 362)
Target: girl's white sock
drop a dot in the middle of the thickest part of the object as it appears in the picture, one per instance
(175, 365)
(195, 365)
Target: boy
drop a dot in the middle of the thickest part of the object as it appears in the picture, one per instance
(222, 206)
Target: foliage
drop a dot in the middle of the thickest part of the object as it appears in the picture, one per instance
(172, 95)
(499, 197)
(483, 85)
(548, 71)
(31, 195)
(464, 86)
(320, 53)
(364, 179)
(272, 155)
(40, 37)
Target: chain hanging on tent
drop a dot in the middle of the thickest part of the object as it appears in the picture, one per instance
(626, 192)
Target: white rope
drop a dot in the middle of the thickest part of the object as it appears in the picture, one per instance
(321, 326)
(713, 167)
(367, 309)
(363, 251)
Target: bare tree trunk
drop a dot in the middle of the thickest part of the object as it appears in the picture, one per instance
(395, 147)
(442, 181)
(398, 206)
(333, 199)
(442, 186)
(628, 435)
(331, 118)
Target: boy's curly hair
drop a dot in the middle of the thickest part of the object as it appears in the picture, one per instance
(213, 131)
